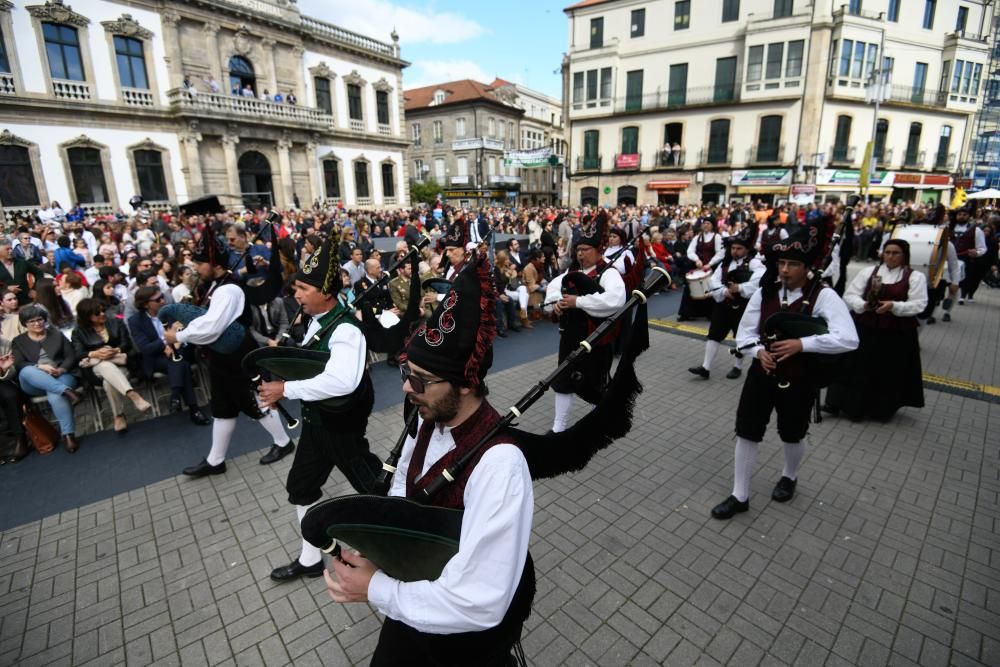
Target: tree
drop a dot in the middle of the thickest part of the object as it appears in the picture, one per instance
(425, 192)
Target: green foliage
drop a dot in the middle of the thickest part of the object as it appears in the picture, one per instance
(424, 193)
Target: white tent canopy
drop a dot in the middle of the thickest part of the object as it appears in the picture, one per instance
(992, 193)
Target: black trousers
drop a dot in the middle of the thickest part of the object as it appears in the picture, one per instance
(11, 400)
(975, 269)
(178, 377)
(762, 395)
(725, 319)
(232, 390)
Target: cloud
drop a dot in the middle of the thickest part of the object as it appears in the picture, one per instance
(428, 72)
(377, 19)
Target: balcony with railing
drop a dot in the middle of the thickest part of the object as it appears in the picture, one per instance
(365, 202)
(766, 154)
(843, 155)
(952, 38)
(385, 129)
(138, 97)
(235, 107)
(71, 90)
(844, 13)
(7, 84)
(356, 124)
(714, 157)
(667, 99)
(914, 159)
(627, 161)
(336, 33)
(944, 161)
(918, 96)
(884, 160)
(670, 160)
(588, 163)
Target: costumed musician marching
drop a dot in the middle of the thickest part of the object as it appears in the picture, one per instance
(706, 252)
(733, 283)
(778, 380)
(970, 245)
(474, 611)
(332, 435)
(232, 390)
(581, 297)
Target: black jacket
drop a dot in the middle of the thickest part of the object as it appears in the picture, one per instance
(59, 349)
(88, 340)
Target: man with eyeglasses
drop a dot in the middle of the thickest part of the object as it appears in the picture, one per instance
(28, 247)
(473, 612)
(336, 403)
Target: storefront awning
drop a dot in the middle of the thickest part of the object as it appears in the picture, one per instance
(672, 184)
(762, 190)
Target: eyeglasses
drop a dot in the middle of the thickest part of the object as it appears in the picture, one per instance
(417, 383)
(41, 320)
(159, 298)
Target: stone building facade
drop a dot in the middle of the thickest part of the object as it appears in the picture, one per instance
(754, 97)
(103, 100)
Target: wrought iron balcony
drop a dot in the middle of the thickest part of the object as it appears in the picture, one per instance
(914, 159)
(671, 160)
(919, 96)
(716, 158)
(588, 163)
(843, 154)
(667, 99)
(944, 161)
(883, 161)
(769, 154)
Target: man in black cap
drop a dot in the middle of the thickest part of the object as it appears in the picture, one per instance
(733, 283)
(778, 380)
(333, 431)
(473, 612)
(582, 297)
(231, 388)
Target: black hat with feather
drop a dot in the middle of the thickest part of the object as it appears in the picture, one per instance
(321, 269)
(210, 249)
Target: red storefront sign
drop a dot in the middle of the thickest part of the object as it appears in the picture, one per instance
(907, 179)
(937, 179)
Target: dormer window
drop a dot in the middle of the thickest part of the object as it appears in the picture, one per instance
(439, 96)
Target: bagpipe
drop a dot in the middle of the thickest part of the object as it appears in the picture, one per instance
(819, 370)
(227, 343)
(410, 539)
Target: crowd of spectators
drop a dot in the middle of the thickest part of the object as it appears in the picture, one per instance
(81, 293)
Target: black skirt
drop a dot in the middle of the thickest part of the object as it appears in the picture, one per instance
(881, 376)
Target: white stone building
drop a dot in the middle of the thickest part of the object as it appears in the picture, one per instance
(94, 106)
(756, 96)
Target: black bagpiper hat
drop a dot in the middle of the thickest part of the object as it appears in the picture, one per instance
(321, 270)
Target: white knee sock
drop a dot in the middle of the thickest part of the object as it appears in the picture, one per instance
(794, 451)
(738, 361)
(222, 433)
(564, 405)
(744, 461)
(711, 347)
(272, 424)
(310, 555)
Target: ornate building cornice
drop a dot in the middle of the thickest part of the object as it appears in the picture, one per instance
(82, 141)
(322, 70)
(354, 79)
(127, 26)
(7, 138)
(56, 12)
(382, 85)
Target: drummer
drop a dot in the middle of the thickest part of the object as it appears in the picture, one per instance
(474, 611)
(706, 252)
(331, 436)
(733, 283)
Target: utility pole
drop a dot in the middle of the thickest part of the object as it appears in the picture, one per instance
(876, 91)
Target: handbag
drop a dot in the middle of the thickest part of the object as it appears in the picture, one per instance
(42, 434)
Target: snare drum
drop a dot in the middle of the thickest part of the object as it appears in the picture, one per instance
(928, 249)
(699, 283)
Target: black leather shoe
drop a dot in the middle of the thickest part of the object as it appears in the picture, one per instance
(502, 334)
(296, 569)
(277, 453)
(734, 373)
(204, 469)
(728, 507)
(198, 417)
(783, 490)
(946, 317)
(931, 320)
(699, 371)
(175, 405)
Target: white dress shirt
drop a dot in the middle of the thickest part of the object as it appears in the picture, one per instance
(225, 306)
(598, 304)
(716, 239)
(842, 336)
(959, 230)
(747, 289)
(477, 585)
(620, 264)
(916, 294)
(343, 371)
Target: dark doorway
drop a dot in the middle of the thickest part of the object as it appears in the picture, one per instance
(713, 193)
(668, 198)
(627, 195)
(255, 180)
(588, 196)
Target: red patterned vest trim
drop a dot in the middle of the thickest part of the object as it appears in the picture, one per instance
(465, 435)
(792, 368)
(896, 292)
(705, 250)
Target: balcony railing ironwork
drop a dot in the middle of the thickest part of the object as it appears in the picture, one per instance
(914, 159)
(767, 154)
(667, 99)
(671, 160)
(843, 154)
(944, 161)
(710, 157)
(588, 163)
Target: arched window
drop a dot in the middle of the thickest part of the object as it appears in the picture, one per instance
(361, 188)
(241, 75)
(843, 138)
(17, 180)
(255, 179)
(87, 171)
(331, 178)
(713, 193)
(588, 196)
(388, 180)
(149, 173)
(627, 195)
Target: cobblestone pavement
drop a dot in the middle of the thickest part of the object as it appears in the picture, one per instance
(887, 555)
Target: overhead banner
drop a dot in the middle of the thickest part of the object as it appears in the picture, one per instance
(772, 177)
(538, 157)
(851, 178)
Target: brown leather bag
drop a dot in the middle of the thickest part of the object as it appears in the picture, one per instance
(43, 435)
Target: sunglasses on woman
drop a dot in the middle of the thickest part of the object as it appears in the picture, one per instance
(417, 383)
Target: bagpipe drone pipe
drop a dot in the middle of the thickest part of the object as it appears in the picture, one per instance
(412, 540)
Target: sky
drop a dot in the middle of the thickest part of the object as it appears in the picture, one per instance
(444, 40)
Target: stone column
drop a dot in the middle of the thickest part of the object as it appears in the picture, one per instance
(315, 176)
(300, 85)
(267, 46)
(229, 141)
(214, 57)
(285, 170)
(172, 45)
(191, 166)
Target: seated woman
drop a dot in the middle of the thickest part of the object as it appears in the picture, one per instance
(104, 293)
(158, 357)
(46, 364)
(60, 315)
(14, 448)
(102, 344)
(513, 287)
(10, 325)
